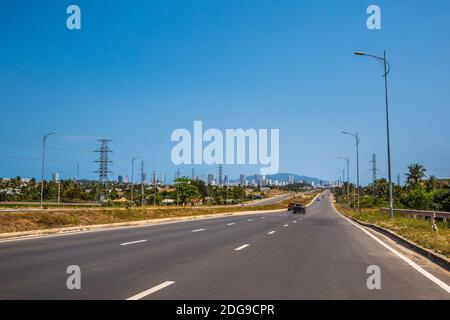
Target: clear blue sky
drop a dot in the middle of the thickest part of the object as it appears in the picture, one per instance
(138, 70)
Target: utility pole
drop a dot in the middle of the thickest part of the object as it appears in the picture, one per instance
(177, 176)
(357, 141)
(78, 173)
(155, 183)
(132, 176)
(398, 180)
(347, 160)
(44, 142)
(59, 191)
(142, 182)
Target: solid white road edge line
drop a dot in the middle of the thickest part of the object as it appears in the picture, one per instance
(132, 242)
(422, 271)
(145, 293)
(241, 247)
(198, 230)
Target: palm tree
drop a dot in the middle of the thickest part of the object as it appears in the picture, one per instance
(415, 174)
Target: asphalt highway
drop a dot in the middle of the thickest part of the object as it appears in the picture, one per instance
(320, 255)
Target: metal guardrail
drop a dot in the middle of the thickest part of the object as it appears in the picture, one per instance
(422, 213)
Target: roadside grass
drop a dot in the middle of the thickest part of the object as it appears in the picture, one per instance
(416, 230)
(42, 219)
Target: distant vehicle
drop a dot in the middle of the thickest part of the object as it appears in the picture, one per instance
(299, 208)
(291, 206)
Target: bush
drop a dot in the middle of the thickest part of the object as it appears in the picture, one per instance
(367, 201)
(419, 199)
(442, 199)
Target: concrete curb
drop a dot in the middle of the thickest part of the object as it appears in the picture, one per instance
(142, 223)
(430, 255)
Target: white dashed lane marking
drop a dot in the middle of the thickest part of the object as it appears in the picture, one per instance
(133, 242)
(241, 247)
(148, 292)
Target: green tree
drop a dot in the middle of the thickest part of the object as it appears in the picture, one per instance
(186, 191)
(416, 172)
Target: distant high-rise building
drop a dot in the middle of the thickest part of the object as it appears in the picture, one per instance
(143, 174)
(210, 178)
(220, 174)
(225, 180)
(120, 179)
(55, 177)
(258, 180)
(125, 179)
(291, 179)
(242, 180)
(163, 178)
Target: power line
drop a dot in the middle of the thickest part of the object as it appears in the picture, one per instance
(38, 147)
(36, 159)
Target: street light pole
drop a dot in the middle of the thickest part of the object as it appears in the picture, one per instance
(356, 136)
(387, 68)
(348, 179)
(44, 142)
(132, 177)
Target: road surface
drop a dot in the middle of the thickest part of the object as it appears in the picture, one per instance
(319, 255)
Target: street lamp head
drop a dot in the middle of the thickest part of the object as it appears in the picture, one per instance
(47, 135)
(360, 53)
